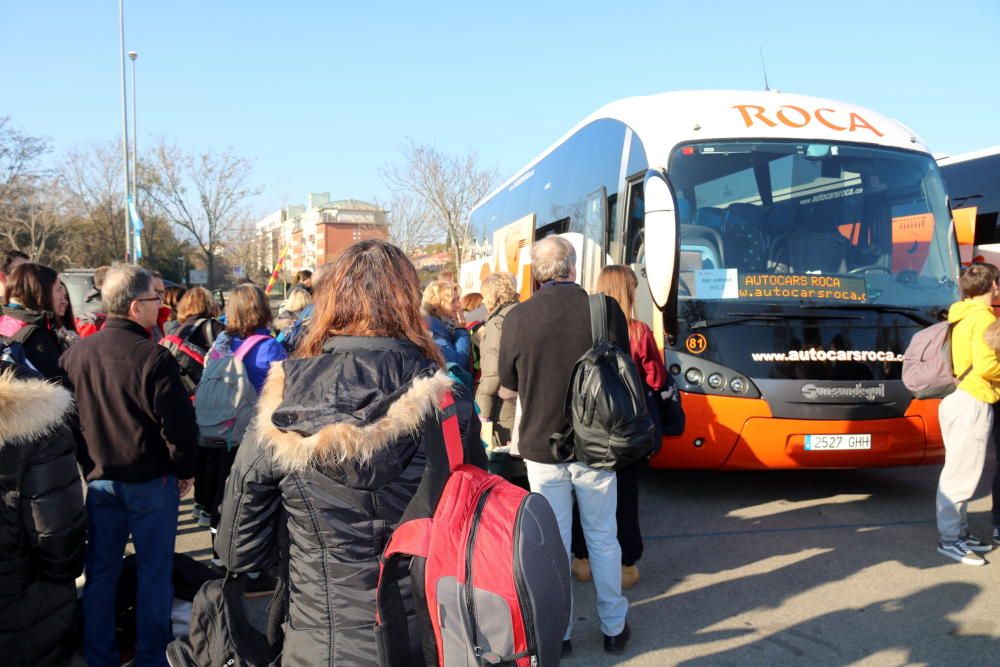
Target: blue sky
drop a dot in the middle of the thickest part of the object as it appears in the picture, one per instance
(321, 94)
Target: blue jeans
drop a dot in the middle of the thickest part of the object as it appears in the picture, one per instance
(147, 511)
(597, 495)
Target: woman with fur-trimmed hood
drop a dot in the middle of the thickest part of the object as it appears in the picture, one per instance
(338, 445)
(43, 527)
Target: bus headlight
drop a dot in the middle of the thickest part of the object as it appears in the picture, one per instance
(738, 385)
(694, 376)
(716, 381)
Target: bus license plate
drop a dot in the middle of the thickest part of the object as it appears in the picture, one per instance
(833, 442)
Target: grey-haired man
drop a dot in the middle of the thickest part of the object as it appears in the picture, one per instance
(139, 429)
(541, 341)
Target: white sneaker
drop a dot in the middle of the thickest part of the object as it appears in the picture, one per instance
(960, 551)
(975, 543)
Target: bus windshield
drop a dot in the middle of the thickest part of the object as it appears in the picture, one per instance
(825, 223)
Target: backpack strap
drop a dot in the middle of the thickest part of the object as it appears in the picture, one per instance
(248, 345)
(450, 431)
(951, 332)
(194, 328)
(392, 631)
(598, 318)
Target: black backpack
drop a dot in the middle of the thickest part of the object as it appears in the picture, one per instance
(190, 356)
(221, 632)
(610, 423)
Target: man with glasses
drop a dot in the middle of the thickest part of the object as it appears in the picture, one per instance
(139, 430)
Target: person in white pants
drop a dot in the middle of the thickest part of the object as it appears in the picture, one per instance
(542, 339)
(597, 494)
(966, 415)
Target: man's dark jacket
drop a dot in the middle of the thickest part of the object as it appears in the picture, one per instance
(135, 417)
(43, 528)
(542, 339)
(337, 445)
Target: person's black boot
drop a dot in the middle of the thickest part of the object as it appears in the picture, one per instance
(616, 645)
(567, 649)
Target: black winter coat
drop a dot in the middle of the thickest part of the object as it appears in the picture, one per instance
(337, 444)
(42, 522)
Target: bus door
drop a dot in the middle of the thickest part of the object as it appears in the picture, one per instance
(634, 248)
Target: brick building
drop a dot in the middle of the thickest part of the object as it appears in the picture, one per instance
(317, 232)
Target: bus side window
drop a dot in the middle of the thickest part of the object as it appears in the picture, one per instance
(609, 225)
(634, 223)
(558, 227)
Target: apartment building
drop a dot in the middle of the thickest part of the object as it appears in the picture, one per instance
(317, 232)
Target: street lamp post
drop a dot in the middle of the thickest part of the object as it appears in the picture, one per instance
(132, 55)
(128, 224)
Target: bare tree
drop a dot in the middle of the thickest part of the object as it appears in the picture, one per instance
(36, 221)
(242, 248)
(92, 179)
(409, 224)
(26, 213)
(446, 186)
(207, 195)
(19, 156)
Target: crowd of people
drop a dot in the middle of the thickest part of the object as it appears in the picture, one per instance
(340, 387)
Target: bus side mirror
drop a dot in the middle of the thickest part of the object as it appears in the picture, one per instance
(660, 236)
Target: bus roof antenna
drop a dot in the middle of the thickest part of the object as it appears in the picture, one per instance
(763, 67)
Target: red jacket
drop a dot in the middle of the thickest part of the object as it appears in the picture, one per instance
(87, 324)
(646, 355)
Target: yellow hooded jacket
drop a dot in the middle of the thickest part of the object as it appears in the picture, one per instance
(969, 349)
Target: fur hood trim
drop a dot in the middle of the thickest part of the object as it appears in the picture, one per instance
(341, 442)
(30, 408)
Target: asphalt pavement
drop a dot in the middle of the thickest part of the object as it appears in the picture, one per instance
(774, 568)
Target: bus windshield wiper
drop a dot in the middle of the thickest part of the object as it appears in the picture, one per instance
(738, 318)
(907, 311)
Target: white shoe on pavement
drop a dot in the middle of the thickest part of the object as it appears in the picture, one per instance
(960, 551)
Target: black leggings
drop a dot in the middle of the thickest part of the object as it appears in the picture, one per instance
(627, 514)
(211, 472)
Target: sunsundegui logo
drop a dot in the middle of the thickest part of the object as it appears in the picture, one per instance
(872, 393)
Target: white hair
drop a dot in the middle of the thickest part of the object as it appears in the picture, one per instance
(552, 258)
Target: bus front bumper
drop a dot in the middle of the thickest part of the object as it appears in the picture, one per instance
(740, 434)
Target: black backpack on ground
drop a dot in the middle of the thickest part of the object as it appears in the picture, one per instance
(610, 424)
(221, 633)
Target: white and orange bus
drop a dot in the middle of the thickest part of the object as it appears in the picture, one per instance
(788, 247)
